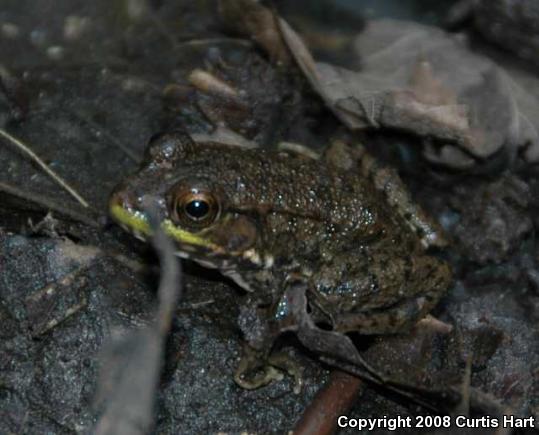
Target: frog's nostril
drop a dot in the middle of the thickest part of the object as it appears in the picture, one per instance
(123, 199)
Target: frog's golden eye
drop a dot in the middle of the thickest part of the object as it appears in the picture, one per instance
(195, 207)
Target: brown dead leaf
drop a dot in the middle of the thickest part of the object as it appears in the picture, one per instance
(421, 80)
(427, 88)
(250, 18)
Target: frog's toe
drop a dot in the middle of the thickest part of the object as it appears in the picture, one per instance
(255, 370)
(287, 363)
(250, 377)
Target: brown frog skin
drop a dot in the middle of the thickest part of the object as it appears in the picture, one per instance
(266, 218)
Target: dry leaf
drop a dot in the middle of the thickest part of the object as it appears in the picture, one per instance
(422, 80)
(250, 18)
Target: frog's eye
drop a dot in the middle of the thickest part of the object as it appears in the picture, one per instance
(195, 207)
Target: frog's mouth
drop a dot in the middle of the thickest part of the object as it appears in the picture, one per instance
(193, 246)
(137, 223)
(196, 246)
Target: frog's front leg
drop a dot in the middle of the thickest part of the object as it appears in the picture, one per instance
(321, 341)
(260, 364)
(255, 369)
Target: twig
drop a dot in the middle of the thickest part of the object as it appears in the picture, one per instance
(134, 364)
(441, 400)
(33, 156)
(366, 376)
(170, 285)
(463, 408)
(211, 41)
(24, 423)
(48, 204)
(333, 400)
(11, 88)
(162, 28)
(133, 265)
(93, 125)
(197, 305)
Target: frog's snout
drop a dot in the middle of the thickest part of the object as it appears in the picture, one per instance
(123, 199)
(123, 207)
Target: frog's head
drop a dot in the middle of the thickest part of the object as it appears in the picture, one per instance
(183, 181)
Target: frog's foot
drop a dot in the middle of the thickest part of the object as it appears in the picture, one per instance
(255, 370)
(284, 361)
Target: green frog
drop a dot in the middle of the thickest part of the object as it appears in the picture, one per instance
(338, 226)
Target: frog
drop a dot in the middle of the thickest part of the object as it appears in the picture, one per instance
(321, 245)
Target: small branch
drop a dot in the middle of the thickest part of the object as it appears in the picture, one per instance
(368, 377)
(463, 408)
(93, 125)
(214, 41)
(441, 400)
(130, 372)
(33, 156)
(12, 89)
(333, 400)
(134, 265)
(170, 285)
(48, 204)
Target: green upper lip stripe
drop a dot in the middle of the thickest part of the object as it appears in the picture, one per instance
(139, 222)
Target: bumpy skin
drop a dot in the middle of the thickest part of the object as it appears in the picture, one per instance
(284, 216)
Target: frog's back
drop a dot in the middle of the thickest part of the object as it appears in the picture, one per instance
(308, 198)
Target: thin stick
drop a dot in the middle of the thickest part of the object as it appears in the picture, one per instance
(48, 204)
(131, 368)
(33, 156)
(333, 400)
(94, 126)
(214, 41)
